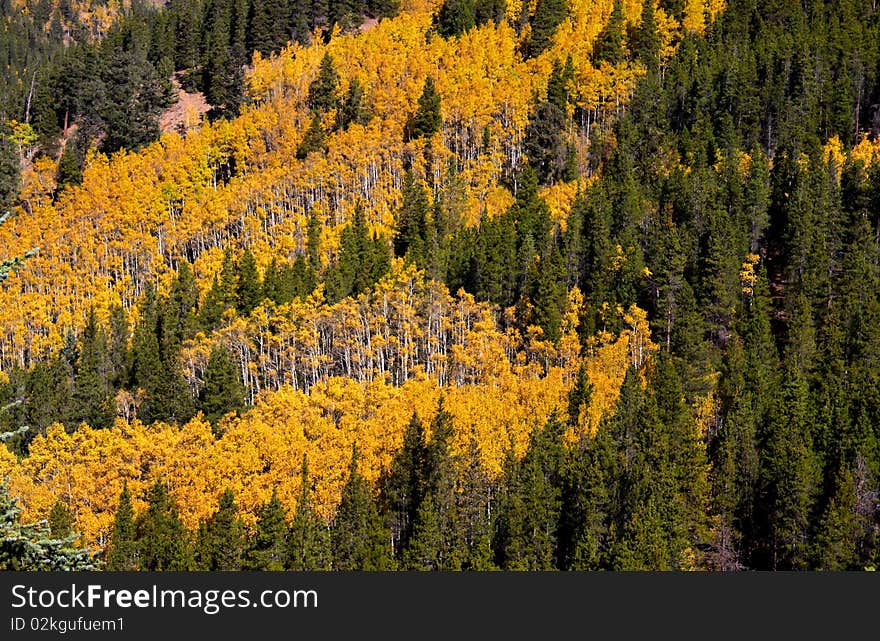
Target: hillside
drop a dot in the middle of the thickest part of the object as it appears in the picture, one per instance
(570, 268)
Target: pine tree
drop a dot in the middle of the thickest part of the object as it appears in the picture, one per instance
(91, 398)
(427, 120)
(313, 140)
(10, 172)
(532, 510)
(789, 476)
(223, 391)
(220, 543)
(60, 520)
(180, 313)
(308, 542)
(323, 89)
(26, 547)
(647, 45)
(354, 109)
(580, 396)
(404, 488)
(358, 537)
(118, 353)
(455, 18)
(548, 15)
(609, 45)
(248, 287)
(268, 548)
(557, 83)
(122, 553)
(410, 238)
(435, 543)
(161, 540)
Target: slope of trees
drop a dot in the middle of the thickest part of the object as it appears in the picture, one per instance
(568, 286)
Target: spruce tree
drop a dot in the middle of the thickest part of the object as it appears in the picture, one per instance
(323, 89)
(60, 520)
(308, 541)
(404, 488)
(609, 45)
(122, 553)
(427, 119)
(92, 403)
(548, 15)
(436, 543)
(223, 391)
(647, 45)
(27, 547)
(354, 109)
(220, 543)
(313, 140)
(268, 548)
(162, 542)
(248, 287)
(359, 538)
(455, 18)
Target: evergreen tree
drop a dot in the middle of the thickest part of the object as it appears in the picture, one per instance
(60, 520)
(180, 313)
(455, 18)
(435, 543)
(609, 45)
(789, 476)
(427, 120)
(323, 89)
(531, 511)
(268, 548)
(404, 488)
(220, 543)
(248, 287)
(354, 109)
(411, 237)
(647, 44)
(92, 403)
(309, 543)
(548, 15)
(122, 553)
(358, 537)
(363, 260)
(161, 540)
(28, 547)
(10, 172)
(313, 140)
(223, 391)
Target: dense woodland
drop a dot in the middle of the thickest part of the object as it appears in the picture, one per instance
(447, 286)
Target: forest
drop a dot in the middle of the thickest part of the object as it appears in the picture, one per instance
(440, 285)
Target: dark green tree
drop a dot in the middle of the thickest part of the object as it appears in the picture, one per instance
(122, 550)
(249, 289)
(223, 391)
(609, 45)
(427, 119)
(455, 18)
(61, 520)
(268, 547)
(548, 15)
(308, 542)
(359, 538)
(161, 540)
(324, 88)
(314, 139)
(220, 543)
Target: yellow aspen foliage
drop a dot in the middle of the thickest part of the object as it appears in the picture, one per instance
(238, 183)
(866, 150)
(262, 450)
